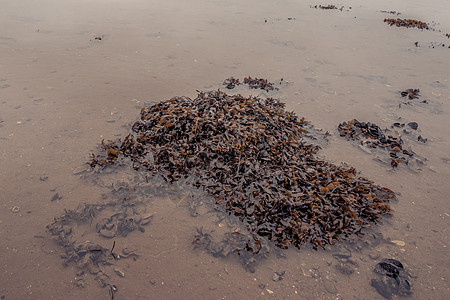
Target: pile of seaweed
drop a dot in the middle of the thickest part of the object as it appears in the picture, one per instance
(251, 155)
(253, 83)
(371, 136)
(408, 23)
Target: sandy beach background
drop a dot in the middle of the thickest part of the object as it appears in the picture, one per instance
(75, 72)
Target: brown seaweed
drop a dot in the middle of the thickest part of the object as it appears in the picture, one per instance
(371, 136)
(89, 257)
(253, 83)
(408, 23)
(251, 155)
(329, 6)
(410, 93)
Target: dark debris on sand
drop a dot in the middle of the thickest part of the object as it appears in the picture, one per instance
(253, 83)
(119, 219)
(250, 154)
(330, 6)
(392, 278)
(408, 23)
(411, 94)
(371, 136)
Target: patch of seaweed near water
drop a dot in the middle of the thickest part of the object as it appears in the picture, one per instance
(251, 155)
(371, 136)
(119, 219)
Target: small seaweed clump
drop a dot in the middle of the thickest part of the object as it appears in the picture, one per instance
(329, 6)
(410, 93)
(253, 83)
(250, 154)
(372, 136)
(408, 23)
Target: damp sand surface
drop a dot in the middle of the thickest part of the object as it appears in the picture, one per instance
(75, 72)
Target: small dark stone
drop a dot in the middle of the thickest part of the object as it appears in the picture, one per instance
(413, 125)
(421, 139)
(278, 276)
(56, 197)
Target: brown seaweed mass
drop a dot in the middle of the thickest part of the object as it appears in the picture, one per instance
(251, 156)
(408, 23)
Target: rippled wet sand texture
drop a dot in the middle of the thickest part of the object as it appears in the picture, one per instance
(75, 72)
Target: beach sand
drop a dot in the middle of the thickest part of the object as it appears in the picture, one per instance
(75, 72)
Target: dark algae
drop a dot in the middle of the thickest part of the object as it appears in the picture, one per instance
(410, 93)
(232, 243)
(372, 137)
(329, 6)
(119, 219)
(253, 83)
(408, 23)
(391, 278)
(251, 155)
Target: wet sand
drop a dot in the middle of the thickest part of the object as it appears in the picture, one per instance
(62, 91)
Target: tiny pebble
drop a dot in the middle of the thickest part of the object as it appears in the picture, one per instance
(119, 272)
(56, 197)
(398, 243)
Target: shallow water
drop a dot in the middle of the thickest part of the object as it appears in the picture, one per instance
(62, 91)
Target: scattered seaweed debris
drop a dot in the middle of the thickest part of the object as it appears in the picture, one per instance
(329, 6)
(371, 137)
(408, 130)
(251, 155)
(392, 279)
(408, 23)
(438, 45)
(113, 219)
(411, 94)
(392, 12)
(231, 83)
(253, 83)
(447, 35)
(233, 243)
(98, 38)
